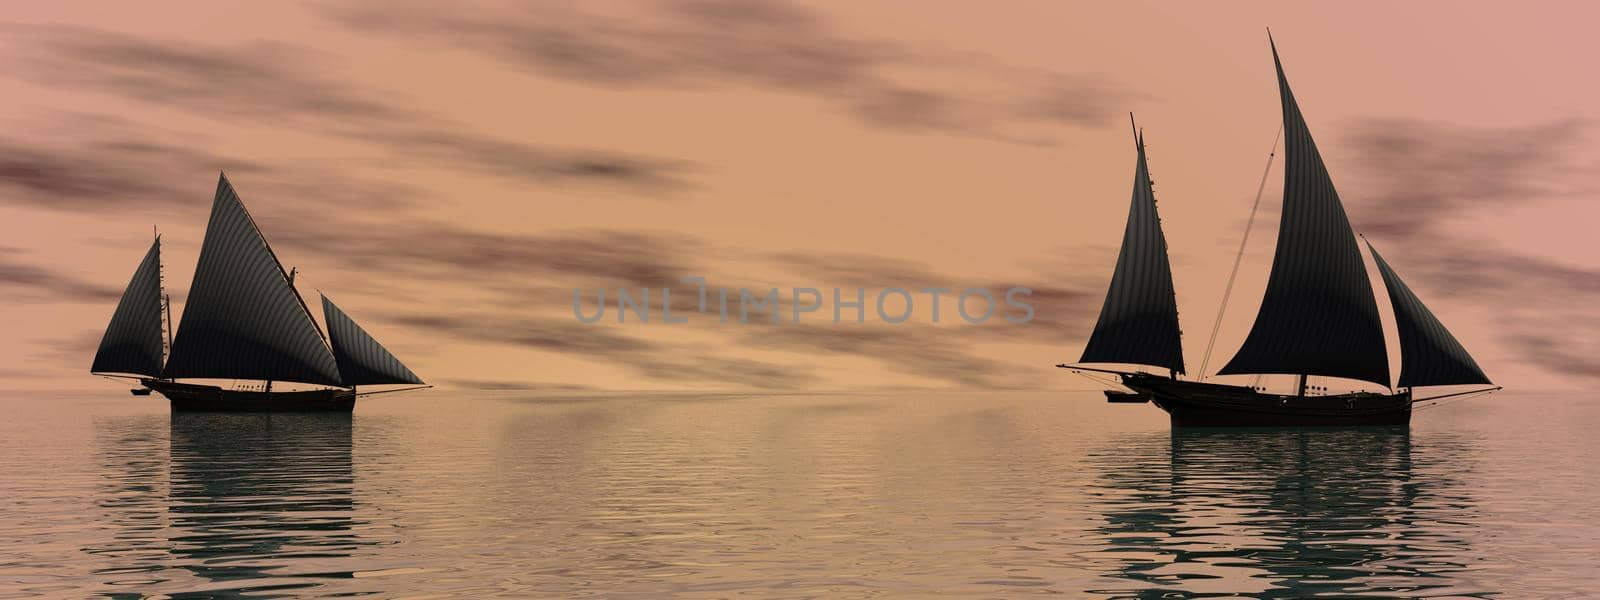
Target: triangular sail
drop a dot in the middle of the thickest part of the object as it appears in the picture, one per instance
(362, 360)
(1429, 355)
(243, 319)
(1139, 321)
(132, 342)
(1319, 316)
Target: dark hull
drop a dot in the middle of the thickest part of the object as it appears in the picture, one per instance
(188, 397)
(1195, 404)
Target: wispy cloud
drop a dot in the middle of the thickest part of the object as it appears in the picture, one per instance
(126, 169)
(278, 84)
(24, 280)
(1416, 176)
(1415, 180)
(654, 360)
(779, 46)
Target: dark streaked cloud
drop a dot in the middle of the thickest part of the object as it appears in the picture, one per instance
(266, 81)
(500, 385)
(443, 252)
(661, 362)
(777, 45)
(72, 351)
(1416, 175)
(277, 84)
(548, 266)
(1555, 351)
(102, 175)
(1065, 305)
(21, 279)
(121, 169)
(1414, 180)
(910, 349)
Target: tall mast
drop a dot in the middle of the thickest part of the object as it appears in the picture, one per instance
(161, 289)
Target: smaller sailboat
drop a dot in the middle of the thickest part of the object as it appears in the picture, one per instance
(1319, 316)
(244, 321)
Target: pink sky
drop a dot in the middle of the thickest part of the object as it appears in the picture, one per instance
(451, 177)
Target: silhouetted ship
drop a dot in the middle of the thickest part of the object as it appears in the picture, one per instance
(1318, 316)
(244, 321)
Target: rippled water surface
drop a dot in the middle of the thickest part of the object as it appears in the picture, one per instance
(904, 495)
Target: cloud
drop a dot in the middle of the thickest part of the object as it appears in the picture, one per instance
(96, 176)
(1414, 180)
(70, 352)
(499, 260)
(777, 45)
(266, 81)
(516, 160)
(661, 362)
(549, 266)
(910, 349)
(1555, 351)
(280, 85)
(497, 385)
(1416, 175)
(26, 281)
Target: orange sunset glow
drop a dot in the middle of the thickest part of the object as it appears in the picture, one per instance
(451, 179)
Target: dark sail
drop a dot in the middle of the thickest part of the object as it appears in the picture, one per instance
(1429, 355)
(362, 360)
(243, 319)
(132, 343)
(1318, 316)
(1139, 321)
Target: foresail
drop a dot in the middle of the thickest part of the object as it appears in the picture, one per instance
(1319, 316)
(362, 360)
(132, 342)
(243, 319)
(1429, 355)
(1139, 321)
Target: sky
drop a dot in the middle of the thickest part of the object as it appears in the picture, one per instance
(450, 177)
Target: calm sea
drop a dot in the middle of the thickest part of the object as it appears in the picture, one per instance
(438, 494)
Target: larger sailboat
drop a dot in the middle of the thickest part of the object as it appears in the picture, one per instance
(244, 321)
(1318, 317)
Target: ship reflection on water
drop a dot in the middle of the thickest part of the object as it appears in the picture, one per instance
(899, 495)
(245, 496)
(1286, 514)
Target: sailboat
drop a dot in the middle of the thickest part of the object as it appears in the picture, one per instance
(1318, 317)
(244, 321)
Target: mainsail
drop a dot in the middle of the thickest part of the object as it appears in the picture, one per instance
(243, 319)
(1139, 321)
(132, 342)
(1319, 316)
(1429, 355)
(362, 360)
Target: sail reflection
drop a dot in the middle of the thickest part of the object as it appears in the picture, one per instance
(1286, 513)
(246, 504)
(249, 492)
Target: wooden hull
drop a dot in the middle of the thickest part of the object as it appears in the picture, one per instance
(1195, 404)
(188, 397)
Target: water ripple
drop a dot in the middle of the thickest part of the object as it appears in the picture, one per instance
(789, 496)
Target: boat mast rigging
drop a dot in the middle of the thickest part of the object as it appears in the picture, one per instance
(1227, 292)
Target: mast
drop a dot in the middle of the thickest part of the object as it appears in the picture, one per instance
(167, 300)
(1318, 315)
(1138, 323)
